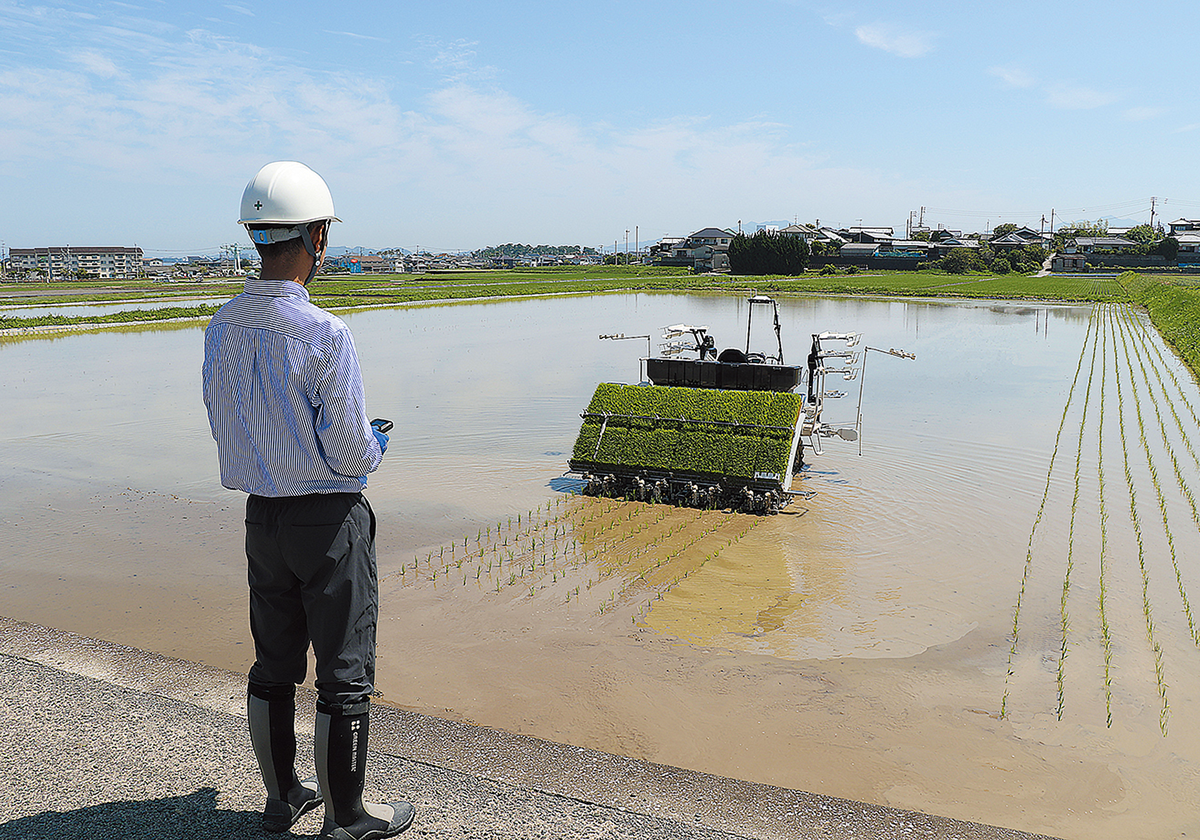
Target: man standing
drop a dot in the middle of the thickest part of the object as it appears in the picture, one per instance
(285, 401)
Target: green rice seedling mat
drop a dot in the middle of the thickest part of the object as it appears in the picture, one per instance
(739, 434)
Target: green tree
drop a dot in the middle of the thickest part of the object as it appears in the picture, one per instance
(1142, 233)
(1085, 228)
(1003, 230)
(768, 252)
(960, 261)
(1168, 248)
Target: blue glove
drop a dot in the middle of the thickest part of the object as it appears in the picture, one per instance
(382, 438)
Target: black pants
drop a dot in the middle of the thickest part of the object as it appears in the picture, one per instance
(313, 580)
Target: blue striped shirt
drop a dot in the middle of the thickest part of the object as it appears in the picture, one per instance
(284, 395)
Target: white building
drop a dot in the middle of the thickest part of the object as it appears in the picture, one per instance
(104, 262)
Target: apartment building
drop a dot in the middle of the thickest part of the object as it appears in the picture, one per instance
(104, 262)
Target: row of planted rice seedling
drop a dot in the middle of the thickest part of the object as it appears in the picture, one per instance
(1064, 600)
(573, 546)
(1028, 567)
(1180, 478)
(1141, 373)
(735, 433)
(1134, 517)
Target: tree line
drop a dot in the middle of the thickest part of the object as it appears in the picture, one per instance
(768, 252)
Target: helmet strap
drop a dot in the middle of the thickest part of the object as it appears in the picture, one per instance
(312, 252)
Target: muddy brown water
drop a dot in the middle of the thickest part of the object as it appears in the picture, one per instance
(861, 644)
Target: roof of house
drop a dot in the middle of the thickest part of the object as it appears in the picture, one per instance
(711, 233)
(911, 245)
(1104, 241)
(1014, 238)
(881, 229)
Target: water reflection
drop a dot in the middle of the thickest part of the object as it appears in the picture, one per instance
(482, 393)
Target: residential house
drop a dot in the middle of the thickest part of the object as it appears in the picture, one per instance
(1019, 238)
(1184, 226)
(806, 232)
(859, 250)
(1068, 262)
(704, 250)
(862, 234)
(1187, 233)
(915, 249)
(1091, 244)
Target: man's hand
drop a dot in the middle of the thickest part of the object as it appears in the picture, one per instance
(380, 427)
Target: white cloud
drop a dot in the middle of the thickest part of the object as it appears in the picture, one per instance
(356, 35)
(1141, 113)
(456, 60)
(1013, 77)
(1076, 97)
(96, 64)
(188, 122)
(897, 40)
(241, 10)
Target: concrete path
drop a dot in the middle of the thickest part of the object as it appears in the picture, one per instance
(103, 741)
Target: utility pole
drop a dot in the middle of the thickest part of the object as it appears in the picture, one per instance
(235, 251)
(1153, 200)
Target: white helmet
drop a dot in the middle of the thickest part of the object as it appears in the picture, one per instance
(285, 192)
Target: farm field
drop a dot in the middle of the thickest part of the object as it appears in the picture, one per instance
(1113, 542)
(991, 614)
(341, 292)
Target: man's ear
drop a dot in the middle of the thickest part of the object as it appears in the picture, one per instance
(319, 232)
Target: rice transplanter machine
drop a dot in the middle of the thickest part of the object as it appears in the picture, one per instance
(715, 429)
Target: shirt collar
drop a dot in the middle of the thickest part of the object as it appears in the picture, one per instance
(275, 288)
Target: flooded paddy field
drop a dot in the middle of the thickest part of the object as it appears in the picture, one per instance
(986, 615)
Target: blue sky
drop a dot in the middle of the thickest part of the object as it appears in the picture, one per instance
(456, 125)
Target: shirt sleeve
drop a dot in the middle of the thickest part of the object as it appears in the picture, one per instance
(347, 442)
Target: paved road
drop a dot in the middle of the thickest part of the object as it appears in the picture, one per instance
(103, 741)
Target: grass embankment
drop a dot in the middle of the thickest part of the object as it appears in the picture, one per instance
(1174, 311)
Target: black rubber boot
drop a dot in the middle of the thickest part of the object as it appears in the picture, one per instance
(271, 713)
(341, 753)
